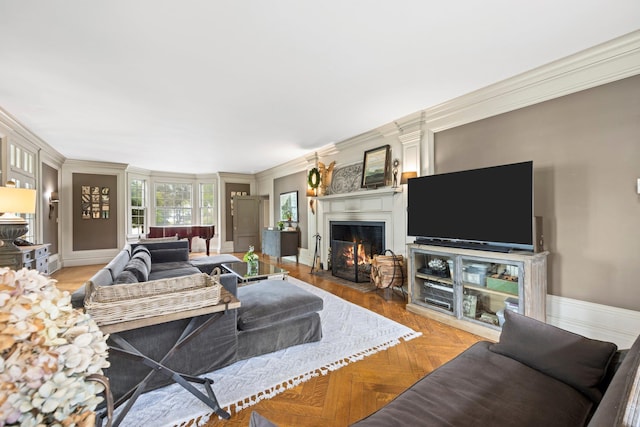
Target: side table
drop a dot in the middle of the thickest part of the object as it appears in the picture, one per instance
(123, 347)
(278, 243)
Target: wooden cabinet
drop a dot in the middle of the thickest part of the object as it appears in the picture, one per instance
(470, 289)
(280, 243)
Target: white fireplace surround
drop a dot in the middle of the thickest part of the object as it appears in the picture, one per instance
(382, 205)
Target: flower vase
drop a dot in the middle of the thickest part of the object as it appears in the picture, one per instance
(252, 267)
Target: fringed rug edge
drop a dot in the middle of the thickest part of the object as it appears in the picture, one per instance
(275, 390)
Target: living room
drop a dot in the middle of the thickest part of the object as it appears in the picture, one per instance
(576, 118)
(597, 218)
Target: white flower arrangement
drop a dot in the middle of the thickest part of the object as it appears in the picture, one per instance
(48, 350)
(250, 256)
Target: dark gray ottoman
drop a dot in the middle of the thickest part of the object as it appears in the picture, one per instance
(206, 264)
(274, 314)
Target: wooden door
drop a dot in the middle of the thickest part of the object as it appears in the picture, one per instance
(246, 223)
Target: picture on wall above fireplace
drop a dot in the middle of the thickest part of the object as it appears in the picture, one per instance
(289, 206)
(375, 169)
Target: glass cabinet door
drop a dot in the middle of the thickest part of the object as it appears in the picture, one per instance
(488, 288)
(433, 284)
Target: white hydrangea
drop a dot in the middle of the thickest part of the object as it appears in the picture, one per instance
(47, 352)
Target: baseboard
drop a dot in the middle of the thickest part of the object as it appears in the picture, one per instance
(597, 321)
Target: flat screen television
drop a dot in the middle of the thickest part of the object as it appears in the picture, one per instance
(488, 208)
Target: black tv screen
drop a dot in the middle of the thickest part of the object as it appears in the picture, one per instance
(491, 206)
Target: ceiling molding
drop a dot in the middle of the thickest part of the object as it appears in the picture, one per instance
(14, 127)
(601, 64)
(87, 166)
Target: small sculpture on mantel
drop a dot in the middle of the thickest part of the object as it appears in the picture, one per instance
(325, 176)
(396, 163)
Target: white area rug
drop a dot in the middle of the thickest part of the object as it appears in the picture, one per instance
(350, 333)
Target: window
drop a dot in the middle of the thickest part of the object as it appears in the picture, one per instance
(21, 172)
(138, 200)
(207, 204)
(29, 217)
(173, 204)
(21, 159)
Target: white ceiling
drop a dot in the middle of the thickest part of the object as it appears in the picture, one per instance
(203, 86)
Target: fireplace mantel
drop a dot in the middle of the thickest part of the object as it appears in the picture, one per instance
(380, 205)
(363, 193)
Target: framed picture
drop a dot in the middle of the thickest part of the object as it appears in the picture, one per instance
(375, 169)
(289, 206)
(469, 305)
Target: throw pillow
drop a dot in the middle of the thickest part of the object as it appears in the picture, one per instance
(571, 358)
(169, 255)
(138, 267)
(125, 277)
(145, 256)
(140, 248)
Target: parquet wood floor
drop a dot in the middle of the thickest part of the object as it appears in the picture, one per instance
(352, 392)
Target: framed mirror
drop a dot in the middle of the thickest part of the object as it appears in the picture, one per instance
(289, 206)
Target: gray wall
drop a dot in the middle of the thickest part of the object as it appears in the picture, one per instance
(586, 153)
(294, 182)
(90, 234)
(49, 182)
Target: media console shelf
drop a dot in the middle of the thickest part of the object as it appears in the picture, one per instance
(470, 289)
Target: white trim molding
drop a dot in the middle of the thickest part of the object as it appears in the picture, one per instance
(601, 64)
(596, 321)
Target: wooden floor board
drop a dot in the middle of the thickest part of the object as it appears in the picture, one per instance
(343, 396)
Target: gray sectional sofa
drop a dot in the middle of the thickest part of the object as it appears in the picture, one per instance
(141, 263)
(536, 375)
(274, 314)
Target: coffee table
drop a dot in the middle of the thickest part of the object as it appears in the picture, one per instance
(263, 272)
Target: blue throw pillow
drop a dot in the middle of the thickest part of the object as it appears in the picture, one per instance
(138, 267)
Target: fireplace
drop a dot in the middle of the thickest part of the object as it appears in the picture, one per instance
(353, 245)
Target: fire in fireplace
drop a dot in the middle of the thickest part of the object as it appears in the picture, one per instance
(351, 261)
(353, 245)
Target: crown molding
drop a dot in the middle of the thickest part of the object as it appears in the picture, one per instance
(138, 171)
(360, 140)
(410, 137)
(93, 165)
(598, 65)
(604, 63)
(15, 128)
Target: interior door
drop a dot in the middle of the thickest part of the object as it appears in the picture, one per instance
(246, 223)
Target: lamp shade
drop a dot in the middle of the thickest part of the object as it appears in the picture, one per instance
(404, 178)
(17, 200)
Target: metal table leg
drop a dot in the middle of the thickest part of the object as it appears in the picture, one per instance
(128, 350)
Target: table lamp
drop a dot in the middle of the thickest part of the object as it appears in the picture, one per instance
(406, 176)
(14, 201)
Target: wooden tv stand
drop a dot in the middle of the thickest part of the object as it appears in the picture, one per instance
(468, 288)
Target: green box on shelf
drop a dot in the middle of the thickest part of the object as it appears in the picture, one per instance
(502, 285)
